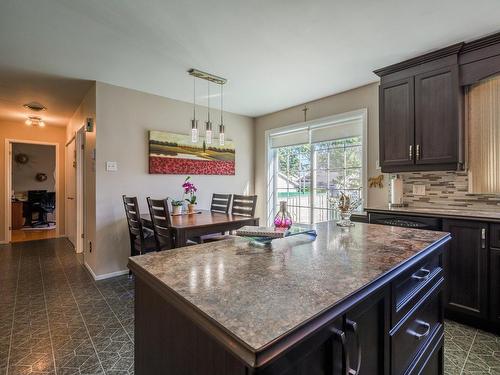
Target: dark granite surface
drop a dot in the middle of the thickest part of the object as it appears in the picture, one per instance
(465, 212)
(260, 294)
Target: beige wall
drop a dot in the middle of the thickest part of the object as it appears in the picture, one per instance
(86, 109)
(42, 159)
(123, 119)
(19, 131)
(362, 97)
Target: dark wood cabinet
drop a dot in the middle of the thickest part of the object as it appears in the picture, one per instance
(437, 116)
(466, 268)
(396, 123)
(495, 285)
(420, 114)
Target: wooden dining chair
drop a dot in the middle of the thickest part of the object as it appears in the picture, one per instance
(221, 203)
(141, 240)
(160, 217)
(244, 205)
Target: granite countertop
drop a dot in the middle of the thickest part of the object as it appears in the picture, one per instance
(259, 294)
(463, 212)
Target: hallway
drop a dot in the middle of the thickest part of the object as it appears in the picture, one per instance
(54, 319)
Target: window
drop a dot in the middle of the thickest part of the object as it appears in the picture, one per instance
(308, 165)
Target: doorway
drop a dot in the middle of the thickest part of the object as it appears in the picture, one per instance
(75, 191)
(32, 209)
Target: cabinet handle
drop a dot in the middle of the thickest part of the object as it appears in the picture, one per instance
(483, 238)
(424, 274)
(418, 152)
(411, 152)
(340, 336)
(420, 336)
(353, 326)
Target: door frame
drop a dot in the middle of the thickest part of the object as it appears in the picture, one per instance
(8, 183)
(80, 189)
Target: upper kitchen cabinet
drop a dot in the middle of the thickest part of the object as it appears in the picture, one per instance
(421, 113)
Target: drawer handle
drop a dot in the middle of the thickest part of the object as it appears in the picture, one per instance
(353, 326)
(421, 274)
(420, 336)
(340, 336)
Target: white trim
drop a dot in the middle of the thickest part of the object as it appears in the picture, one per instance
(106, 275)
(315, 124)
(8, 183)
(3, 242)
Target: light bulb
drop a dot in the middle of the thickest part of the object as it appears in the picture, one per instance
(41, 124)
(208, 137)
(221, 139)
(29, 122)
(194, 135)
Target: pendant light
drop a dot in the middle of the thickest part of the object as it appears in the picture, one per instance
(194, 121)
(221, 126)
(208, 129)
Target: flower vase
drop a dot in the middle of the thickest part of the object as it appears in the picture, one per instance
(176, 210)
(283, 219)
(191, 208)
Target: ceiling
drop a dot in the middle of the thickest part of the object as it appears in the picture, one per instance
(61, 96)
(275, 53)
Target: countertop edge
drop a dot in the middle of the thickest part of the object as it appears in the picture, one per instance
(278, 346)
(408, 211)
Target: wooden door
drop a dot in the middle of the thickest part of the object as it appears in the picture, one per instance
(370, 320)
(466, 268)
(495, 285)
(396, 123)
(70, 165)
(437, 116)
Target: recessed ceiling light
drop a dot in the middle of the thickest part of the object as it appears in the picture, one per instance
(35, 106)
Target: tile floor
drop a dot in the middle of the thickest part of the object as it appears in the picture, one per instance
(54, 319)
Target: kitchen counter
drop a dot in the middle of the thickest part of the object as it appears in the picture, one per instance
(254, 296)
(441, 212)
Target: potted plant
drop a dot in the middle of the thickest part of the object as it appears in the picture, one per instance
(190, 189)
(176, 206)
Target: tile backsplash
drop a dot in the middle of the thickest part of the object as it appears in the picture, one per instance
(445, 189)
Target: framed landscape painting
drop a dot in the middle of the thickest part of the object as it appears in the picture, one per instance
(171, 153)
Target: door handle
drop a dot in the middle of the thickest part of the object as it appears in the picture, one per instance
(483, 238)
(411, 152)
(424, 274)
(70, 198)
(340, 337)
(418, 152)
(353, 327)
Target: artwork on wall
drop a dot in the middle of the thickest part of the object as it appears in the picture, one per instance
(171, 153)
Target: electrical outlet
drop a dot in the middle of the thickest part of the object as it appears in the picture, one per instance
(418, 189)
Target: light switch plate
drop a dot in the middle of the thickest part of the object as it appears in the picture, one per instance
(111, 166)
(418, 189)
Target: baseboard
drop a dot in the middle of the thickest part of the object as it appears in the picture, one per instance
(4, 242)
(106, 275)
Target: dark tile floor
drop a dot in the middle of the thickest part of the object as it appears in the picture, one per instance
(54, 319)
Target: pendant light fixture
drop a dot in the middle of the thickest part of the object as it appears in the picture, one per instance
(208, 129)
(194, 121)
(221, 125)
(208, 124)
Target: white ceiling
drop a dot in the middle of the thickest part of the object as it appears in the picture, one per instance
(275, 53)
(60, 95)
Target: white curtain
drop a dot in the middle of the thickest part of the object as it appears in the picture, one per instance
(484, 136)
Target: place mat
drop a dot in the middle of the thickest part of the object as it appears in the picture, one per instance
(187, 213)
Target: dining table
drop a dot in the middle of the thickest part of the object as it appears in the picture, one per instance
(202, 223)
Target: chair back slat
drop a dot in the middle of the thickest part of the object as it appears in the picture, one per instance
(160, 217)
(220, 203)
(133, 216)
(244, 205)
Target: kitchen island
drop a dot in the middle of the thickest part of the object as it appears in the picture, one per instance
(366, 299)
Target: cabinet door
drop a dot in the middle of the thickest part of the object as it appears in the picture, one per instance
(367, 327)
(437, 116)
(396, 123)
(466, 268)
(495, 285)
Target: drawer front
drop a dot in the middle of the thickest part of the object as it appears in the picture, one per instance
(412, 336)
(409, 287)
(495, 235)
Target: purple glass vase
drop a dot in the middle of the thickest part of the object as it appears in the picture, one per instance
(283, 219)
